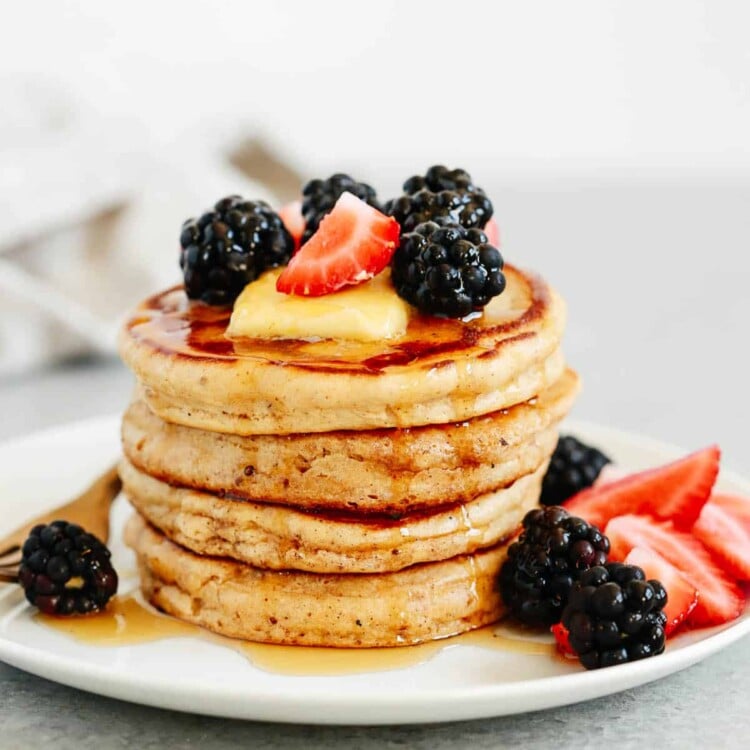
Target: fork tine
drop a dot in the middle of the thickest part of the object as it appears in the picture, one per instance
(11, 556)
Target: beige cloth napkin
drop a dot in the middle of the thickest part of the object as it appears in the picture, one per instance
(86, 230)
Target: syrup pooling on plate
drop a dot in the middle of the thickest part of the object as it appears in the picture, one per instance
(127, 622)
(124, 622)
(171, 323)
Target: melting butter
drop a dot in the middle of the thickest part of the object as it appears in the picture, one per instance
(371, 311)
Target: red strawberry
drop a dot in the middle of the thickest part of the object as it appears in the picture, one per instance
(682, 596)
(562, 639)
(492, 231)
(291, 216)
(719, 597)
(353, 243)
(676, 491)
(724, 527)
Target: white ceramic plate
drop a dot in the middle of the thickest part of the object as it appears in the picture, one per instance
(191, 674)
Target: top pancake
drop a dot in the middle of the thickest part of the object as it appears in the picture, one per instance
(440, 371)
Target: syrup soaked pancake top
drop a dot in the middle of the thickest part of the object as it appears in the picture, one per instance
(172, 324)
(192, 373)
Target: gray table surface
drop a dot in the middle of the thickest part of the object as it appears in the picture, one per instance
(657, 278)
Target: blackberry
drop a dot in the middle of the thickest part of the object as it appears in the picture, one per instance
(320, 196)
(614, 615)
(447, 270)
(553, 550)
(438, 178)
(65, 570)
(445, 196)
(230, 246)
(573, 467)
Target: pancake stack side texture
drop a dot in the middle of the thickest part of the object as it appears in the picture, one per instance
(335, 493)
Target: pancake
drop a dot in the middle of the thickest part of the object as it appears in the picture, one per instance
(279, 537)
(385, 471)
(417, 604)
(440, 371)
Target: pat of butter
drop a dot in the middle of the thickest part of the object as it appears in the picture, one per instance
(367, 312)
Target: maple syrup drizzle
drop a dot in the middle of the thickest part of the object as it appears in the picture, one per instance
(127, 621)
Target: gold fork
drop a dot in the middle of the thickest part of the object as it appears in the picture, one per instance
(89, 510)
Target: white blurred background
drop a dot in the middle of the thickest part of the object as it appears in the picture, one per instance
(507, 86)
(613, 138)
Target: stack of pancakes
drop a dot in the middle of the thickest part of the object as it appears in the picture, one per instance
(338, 493)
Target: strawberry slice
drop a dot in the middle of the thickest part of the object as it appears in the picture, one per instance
(724, 527)
(682, 596)
(562, 639)
(492, 231)
(291, 217)
(354, 242)
(676, 492)
(719, 597)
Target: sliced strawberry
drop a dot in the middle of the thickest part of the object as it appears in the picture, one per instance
(562, 639)
(492, 231)
(291, 216)
(719, 597)
(676, 491)
(724, 527)
(682, 596)
(353, 243)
